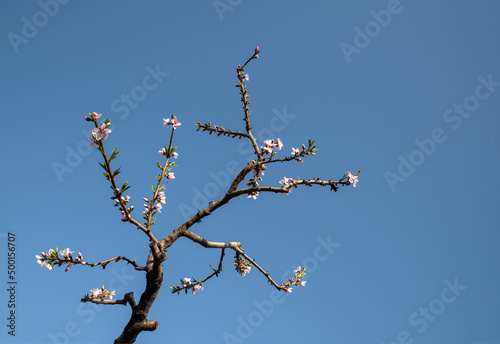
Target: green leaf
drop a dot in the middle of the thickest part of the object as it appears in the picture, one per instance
(113, 154)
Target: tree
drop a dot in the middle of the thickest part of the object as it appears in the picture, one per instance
(264, 156)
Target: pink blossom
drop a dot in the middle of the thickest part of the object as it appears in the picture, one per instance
(242, 267)
(170, 175)
(95, 115)
(93, 141)
(288, 291)
(302, 284)
(111, 294)
(66, 253)
(257, 49)
(258, 173)
(197, 288)
(246, 77)
(253, 195)
(158, 207)
(279, 144)
(352, 179)
(123, 200)
(80, 259)
(298, 270)
(295, 151)
(173, 121)
(102, 132)
(161, 197)
(285, 181)
(95, 293)
(187, 280)
(162, 152)
(175, 155)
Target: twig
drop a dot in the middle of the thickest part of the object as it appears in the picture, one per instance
(265, 273)
(117, 259)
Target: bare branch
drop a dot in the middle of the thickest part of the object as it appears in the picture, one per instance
(219, 130)
(178, 289)
(209, 244)
(117, 259)
(244, 98)
(128, 297)
(265, 273)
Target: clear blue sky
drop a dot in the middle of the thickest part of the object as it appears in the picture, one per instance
(407, 90)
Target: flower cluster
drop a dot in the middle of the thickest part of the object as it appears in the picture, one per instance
(93, 115)
(171, 121)
(163, 152)
(352, 179)
(160, 199)
(52, 258)
(285, 182)
(102, 293)
(270, 146)
(297, 153)
(101, 131)
(122, 201)
(242, 266)
(299, 273)
(195, 286)
(254, 182)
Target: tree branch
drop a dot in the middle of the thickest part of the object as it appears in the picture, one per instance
(117, 259)
(265, 273)
(219, 130)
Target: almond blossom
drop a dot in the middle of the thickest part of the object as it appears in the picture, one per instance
(197, 288)
(253, 195)
(102, 132)
(171, 121)
(101, 293)
(170, 175)
(242, 266)
(93, 141)
(48, 260)
(161, 197)
(352, 179)
(269, 146)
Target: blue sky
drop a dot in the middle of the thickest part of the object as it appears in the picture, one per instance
(407, 90)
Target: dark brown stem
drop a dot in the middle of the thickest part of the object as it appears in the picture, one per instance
(117, 259)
